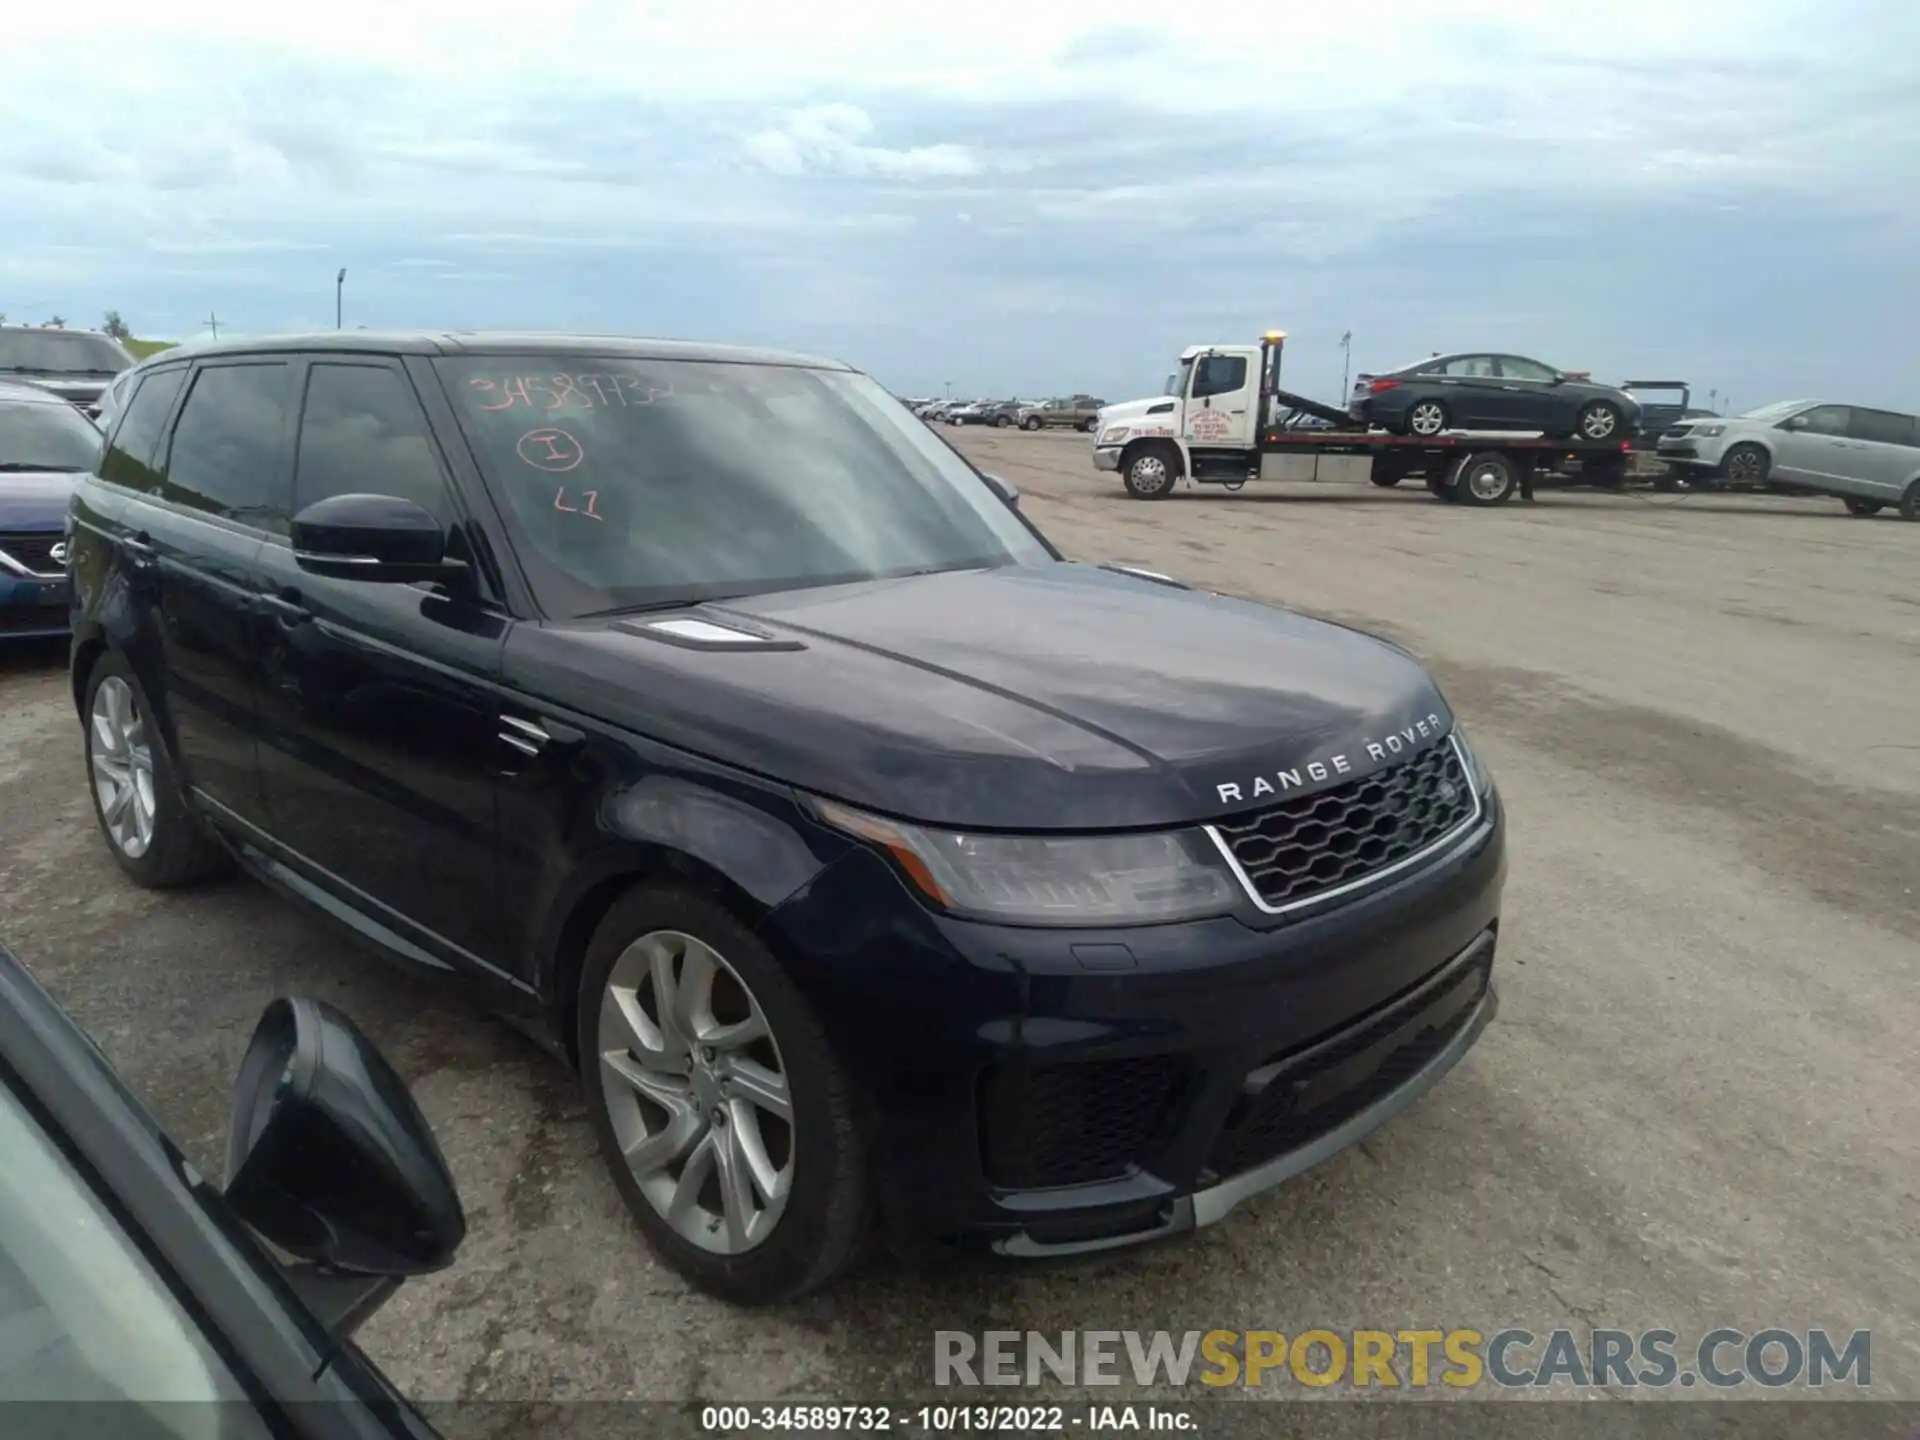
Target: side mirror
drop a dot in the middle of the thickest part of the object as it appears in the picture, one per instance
(1172, 387)
(1794, 422)
(372, 537)
(330, 1161)
(1004, 490)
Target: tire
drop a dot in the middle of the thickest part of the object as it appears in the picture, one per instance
(1438, 487)
(816, 1159)
(1486, 478)
(1863, 508)
(1001, 422)
(154, 838)
(1089, 426)
(1599, 420)
(1910, 502)
(1746, 464)
(1032, 422)
(1425, 417)
(1151, 472)
(1386, 480)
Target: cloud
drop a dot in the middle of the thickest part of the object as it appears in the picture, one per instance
(829, 139)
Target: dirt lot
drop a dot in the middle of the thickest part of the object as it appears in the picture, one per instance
(1700, 1104)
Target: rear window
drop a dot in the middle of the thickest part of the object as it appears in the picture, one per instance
(46, 437)
(60, 352)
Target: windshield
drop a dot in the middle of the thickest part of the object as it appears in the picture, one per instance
(1779, 410)
(46, 437)
(60, 352)
(641, 482)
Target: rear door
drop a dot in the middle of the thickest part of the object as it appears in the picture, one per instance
(192, 545)
(1815, 453)
(1882, 453)
(379, 719)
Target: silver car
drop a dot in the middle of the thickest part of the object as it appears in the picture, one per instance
(1869, 459)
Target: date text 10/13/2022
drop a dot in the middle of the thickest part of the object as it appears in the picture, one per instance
(945, 1419)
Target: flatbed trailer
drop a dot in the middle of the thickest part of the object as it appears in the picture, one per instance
(1198, 442)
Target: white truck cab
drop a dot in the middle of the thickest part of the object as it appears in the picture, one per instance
(1212, 401)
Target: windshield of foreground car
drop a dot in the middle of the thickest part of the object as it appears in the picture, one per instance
(1779, 410)
(46, 437)
(58, 352)
(639, 482)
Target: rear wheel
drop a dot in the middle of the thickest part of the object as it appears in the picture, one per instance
(1150, 471)
(1600, 420)
(1001, 422)
(1863, 508)
(1488, 478)
(1089, 425)
(726, 1119)
(1426, 417)
(1746, 465)
(154, 838)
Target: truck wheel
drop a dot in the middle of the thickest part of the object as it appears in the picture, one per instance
(1601, 420)
(1386, 479)
(1032, 422)
(1746, 465)
(1488, 478)
(1150, 472)
(1910, 502)
(1863, 508)
(1089, 426)
(1428, 417)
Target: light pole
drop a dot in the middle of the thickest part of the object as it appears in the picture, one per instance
(339, 284)
(1346, 361)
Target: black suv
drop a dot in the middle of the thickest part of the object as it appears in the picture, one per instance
(704, 708)
(76, 365)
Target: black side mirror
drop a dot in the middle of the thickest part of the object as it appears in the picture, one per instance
(1003, 489)
(372, 537)
(330, 1161)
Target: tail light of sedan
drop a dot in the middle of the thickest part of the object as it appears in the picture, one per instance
(1380, 387)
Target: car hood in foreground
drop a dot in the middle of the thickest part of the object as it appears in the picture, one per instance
(35, 499)
(1057, 697)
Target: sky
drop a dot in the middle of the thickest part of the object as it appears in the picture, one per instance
(1001, 199)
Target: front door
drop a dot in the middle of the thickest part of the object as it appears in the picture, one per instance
(1529, 397)
(379, 725)
(1220, 402)
(1813, 453)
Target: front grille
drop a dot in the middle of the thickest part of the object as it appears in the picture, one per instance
(1072, 1123)
(33, 549)
(1295, 1098)
(1302, 848)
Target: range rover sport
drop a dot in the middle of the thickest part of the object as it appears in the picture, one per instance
(704, 709)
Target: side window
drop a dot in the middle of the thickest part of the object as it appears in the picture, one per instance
(128, 459)
(1219, 375)
(1514, 367)
(362, 433)
(1469, 367)
(1828, 419)
(1883, 426)
(225, 456)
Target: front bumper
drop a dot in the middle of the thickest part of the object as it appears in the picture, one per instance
(1106, 458)
(1053, 1092)
(31, 608)
(1705, 452)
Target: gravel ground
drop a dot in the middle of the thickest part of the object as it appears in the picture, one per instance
(1700, 1104)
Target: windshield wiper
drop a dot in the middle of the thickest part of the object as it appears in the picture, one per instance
(16, 467)
(677, 602)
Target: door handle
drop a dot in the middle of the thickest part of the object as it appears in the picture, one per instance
(287, 606)
(139, 549)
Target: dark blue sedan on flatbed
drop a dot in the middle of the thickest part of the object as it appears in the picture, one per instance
(45, 446)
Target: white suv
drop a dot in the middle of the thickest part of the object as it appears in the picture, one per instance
(1868, 458)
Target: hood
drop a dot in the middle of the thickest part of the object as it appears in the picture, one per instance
(1155, 415)
(1058, 697)
(36, 499)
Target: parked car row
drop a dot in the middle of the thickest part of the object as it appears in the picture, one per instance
(1072, 412)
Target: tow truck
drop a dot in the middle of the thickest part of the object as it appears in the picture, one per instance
(1224, 420)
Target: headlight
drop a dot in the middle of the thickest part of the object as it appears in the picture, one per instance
(1478, 775)
(1710, 430)
(1049, 880)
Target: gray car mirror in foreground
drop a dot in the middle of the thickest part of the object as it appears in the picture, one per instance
(330, 1160)
(372, 537)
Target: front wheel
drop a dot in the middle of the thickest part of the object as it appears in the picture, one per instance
(1001, 422)
(1746, 465)
(1150, 473)
(728, 1122)
(1863, 508)
(1089, 426)
(1032, 422)
(1910, 502)
(1599, 421)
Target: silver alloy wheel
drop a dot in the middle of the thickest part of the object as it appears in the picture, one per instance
(1743, 466)
(1599, 422)
(1488, 480)
(122, 763)
(1149, 474)
(696, 1092)
(1427, 418)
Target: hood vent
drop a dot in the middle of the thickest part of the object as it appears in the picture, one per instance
(692, 633)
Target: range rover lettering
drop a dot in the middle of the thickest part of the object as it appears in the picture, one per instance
(701, 710)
